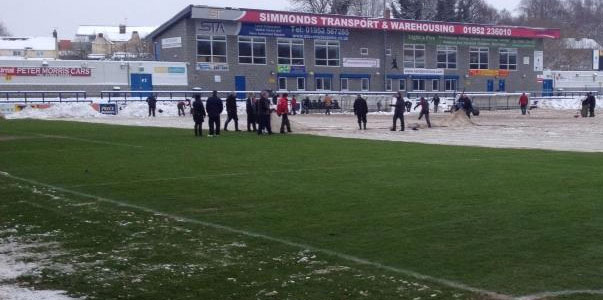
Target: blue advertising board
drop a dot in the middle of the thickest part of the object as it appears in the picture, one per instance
(298, 32)
(108, 109)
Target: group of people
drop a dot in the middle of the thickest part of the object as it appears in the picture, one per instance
(258, 113)
(259, 110)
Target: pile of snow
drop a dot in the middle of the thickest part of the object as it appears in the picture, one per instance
(458, 119)
(572, 103)
(57, 111)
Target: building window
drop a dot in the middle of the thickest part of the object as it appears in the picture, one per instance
(290, 52)
(450, 84)
(414, 56)
(252, 50)
(364, 51)
(402, 85)
(388, 51)
(326, 53)
(435, 85)
(508, 58)
(323, 84)
(282, 83)
(418, 84)
(211, 48)
(446, 57)
(365, 84)
(344, 84)
(17, 53)
(388, 85)
(301, 83)
(40, 53)
(478, 58)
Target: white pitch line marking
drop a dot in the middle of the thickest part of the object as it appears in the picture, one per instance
(358, 260)
(544, 295)
(88, 140)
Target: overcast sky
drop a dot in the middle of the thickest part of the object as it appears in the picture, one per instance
(40, 17)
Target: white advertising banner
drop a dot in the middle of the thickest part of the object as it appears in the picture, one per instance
(419, 71)
(361, 62)
(596, 59)
(538, 61)
(174, 42)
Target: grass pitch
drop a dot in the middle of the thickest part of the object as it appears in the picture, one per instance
(515, 222)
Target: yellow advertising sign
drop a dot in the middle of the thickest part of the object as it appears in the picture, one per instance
(489, 73)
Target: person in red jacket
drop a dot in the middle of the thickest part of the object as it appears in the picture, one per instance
(293, 105)
(523, 103)
(282, 109)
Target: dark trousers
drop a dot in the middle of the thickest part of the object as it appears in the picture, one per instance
(233, 117)
(524, 109)
(214, 125)
(592, 111)
(468, 112)
(198, 129)
(361, 120)
(251, 122)
(151, 111)
(285, 123)
(426, 114)
(181, 111)
(398, 116)
(264, 124)
(435, 107)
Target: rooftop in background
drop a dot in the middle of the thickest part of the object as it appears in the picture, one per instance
(584, 43)
(113, 32)
(33, 43)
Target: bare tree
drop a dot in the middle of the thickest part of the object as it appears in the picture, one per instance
(367, 8)
(414, 10)
(341, 7)
(312, 6)
(3, 30)
(445, 10)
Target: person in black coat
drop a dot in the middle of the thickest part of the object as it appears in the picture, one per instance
(231, 110)
(198, 115)
(263, 113)
(251, 112)
(152, 103)
(399, 109)
(436, 103)
(360, 110)
(408, 105)
(214, 108)
(592, 104)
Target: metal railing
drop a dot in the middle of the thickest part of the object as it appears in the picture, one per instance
(43, 96)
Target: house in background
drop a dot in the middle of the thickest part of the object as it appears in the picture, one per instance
(114, 42)
(28, 48)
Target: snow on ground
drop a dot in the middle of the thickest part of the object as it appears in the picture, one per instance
(19, 258)
(552, 126)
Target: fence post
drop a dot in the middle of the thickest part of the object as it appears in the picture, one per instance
(25, 96)
(61, 98)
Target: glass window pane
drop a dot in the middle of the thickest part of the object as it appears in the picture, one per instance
(203, 48)
(283, 50)
(259, 50)
(297, 51)
(321, 53)
(219, 48)
(333, 53)
(244, 49)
